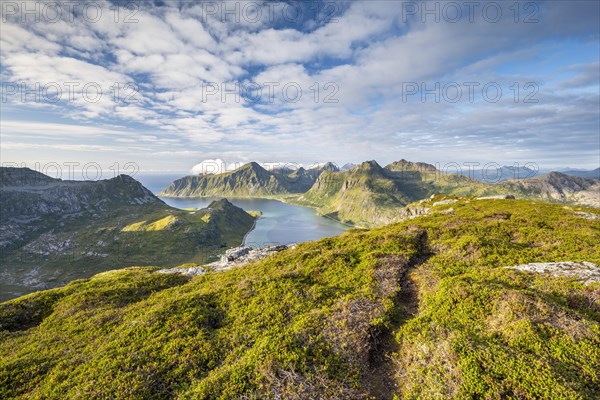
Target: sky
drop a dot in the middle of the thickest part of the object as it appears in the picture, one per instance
(164, 85)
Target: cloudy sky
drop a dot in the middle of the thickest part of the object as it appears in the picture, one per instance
(167, 84)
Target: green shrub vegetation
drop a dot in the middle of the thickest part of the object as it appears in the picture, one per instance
(309, 323)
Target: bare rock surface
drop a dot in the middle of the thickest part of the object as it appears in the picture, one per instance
(410, 212)
(499, 197)
(192, 271)
(444, 202)
(587, 215)
(585, 272)
(235, 257)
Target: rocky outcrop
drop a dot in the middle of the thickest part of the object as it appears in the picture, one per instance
(587, 215)
(498, 197)
(235, 257)
(190, 271)
(411, 212)
(242, 255)
(585, 272)
(444, 202)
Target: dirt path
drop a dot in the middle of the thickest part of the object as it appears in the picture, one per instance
(380, 379)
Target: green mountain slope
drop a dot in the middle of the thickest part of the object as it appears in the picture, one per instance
(250, 180)
(365, 193)
(369, 195)
(54, 231)
(418, 309)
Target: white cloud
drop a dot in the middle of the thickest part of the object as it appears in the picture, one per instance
(16, 38)
(210, 167)
(191, 31)
(369, 52)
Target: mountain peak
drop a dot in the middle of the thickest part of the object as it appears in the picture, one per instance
(15, 176)
(124, 178)
(220, 204)
(371, 165)
(329, 166)
(405, 165)
(252, 166)
(559, 177)
(569, 181)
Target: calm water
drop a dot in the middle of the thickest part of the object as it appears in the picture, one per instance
(156, 182)
(280, 223)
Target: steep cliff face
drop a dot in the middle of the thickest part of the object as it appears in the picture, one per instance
(249, 180)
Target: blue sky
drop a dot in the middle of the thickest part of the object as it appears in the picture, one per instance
(361, 67)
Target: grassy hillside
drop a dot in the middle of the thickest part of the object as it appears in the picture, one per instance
(418, 309)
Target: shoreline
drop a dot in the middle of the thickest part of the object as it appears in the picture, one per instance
(251, 229)
(283, 200)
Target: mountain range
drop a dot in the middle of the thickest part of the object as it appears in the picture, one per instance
(593, 174)
(499, 174)
(250, 180)
(53, 231)
(371, 195)
(504, 173)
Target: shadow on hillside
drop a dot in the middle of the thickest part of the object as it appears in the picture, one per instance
(334, 216)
